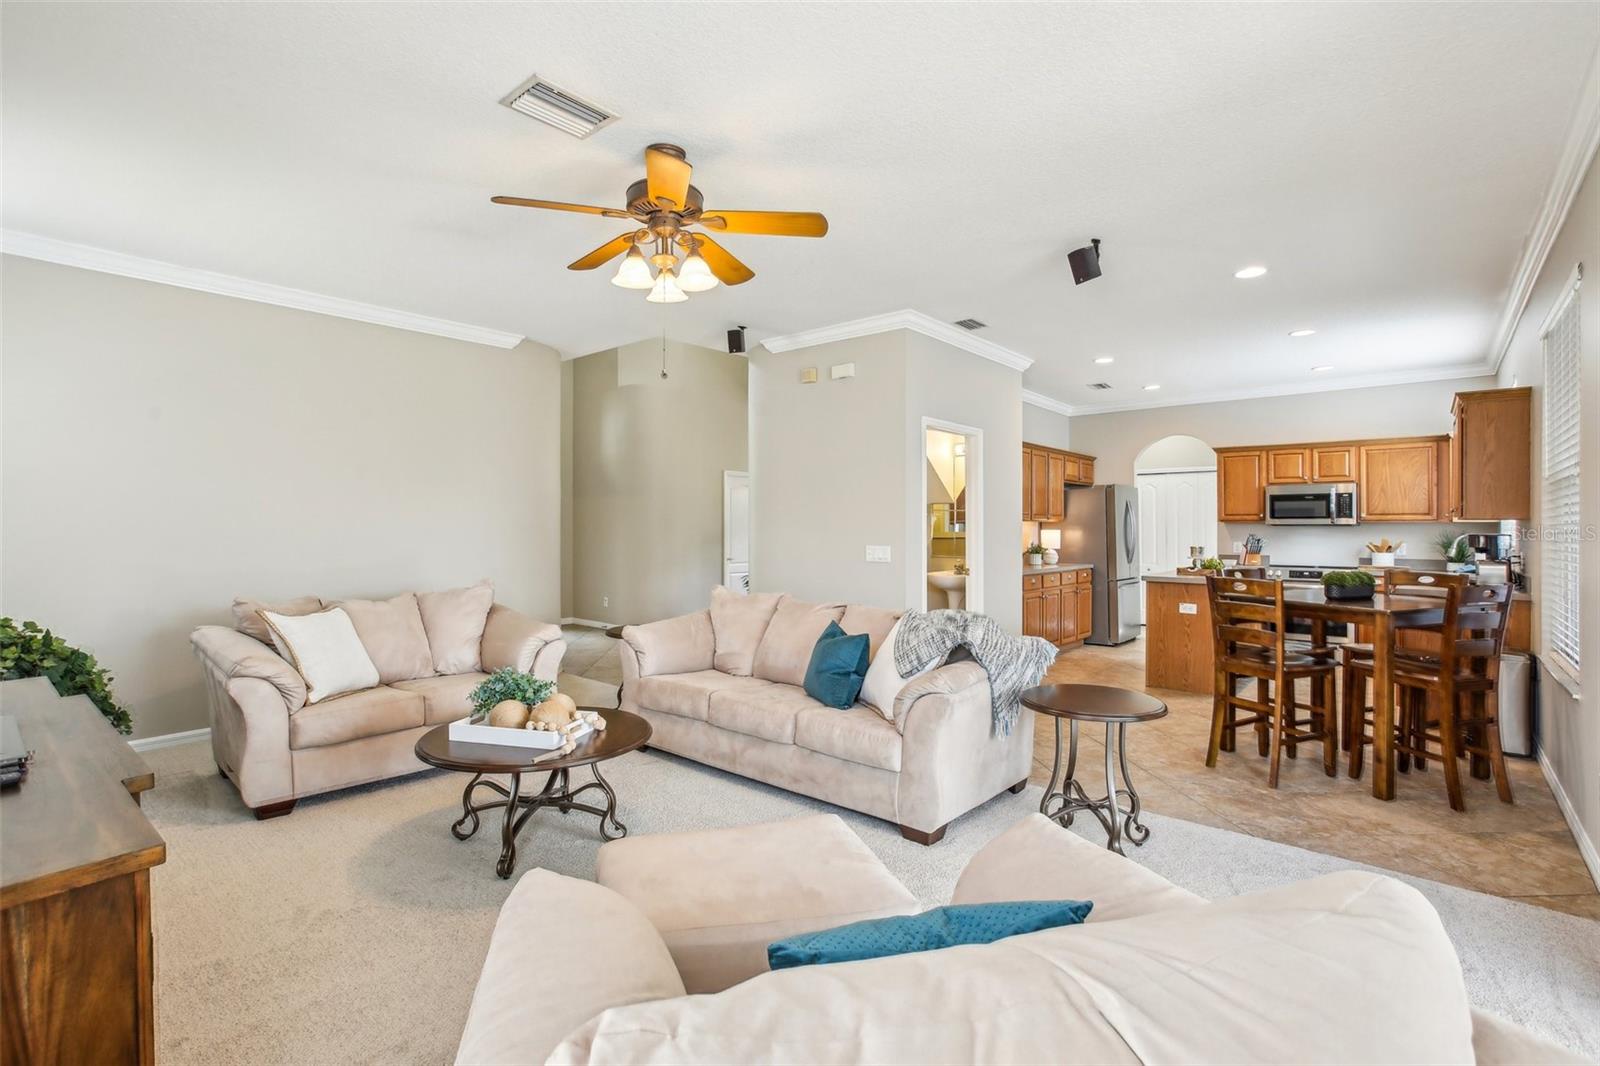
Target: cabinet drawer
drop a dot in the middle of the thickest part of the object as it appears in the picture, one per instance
(1032, 581)
(1051, 580)
(1085, 577)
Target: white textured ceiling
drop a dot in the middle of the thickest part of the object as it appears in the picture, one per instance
(1385, 161)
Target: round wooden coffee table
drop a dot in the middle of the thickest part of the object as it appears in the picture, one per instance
(1116, 708)
(624, 732)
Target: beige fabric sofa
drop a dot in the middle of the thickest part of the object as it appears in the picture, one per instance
(728, 694)
(1156, 975)
(276, 748)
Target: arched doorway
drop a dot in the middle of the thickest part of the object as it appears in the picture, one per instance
(1177, 481)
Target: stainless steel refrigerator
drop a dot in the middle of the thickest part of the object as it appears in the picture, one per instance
(1102, 528)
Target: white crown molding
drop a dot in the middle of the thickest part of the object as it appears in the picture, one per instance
(1365, 381)
(32, 246)
(916, 322)
(1047, 403)
(1583, 138)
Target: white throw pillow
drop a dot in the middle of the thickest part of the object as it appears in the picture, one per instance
(326, 651)
(883, 682)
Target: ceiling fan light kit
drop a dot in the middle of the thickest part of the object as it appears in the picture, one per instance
(666, 206)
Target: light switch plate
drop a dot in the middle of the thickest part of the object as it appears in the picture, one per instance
(842, 370)
(877, 553)
(808, 376)
(1188, 608)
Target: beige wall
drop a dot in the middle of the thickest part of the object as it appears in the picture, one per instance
(838, 466)
(1570, 729)
(1116, 440)
(828, 475)
(1046, 427)
(945, 382)
(645, 485)
(167, 450)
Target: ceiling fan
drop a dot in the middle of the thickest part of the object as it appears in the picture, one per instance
(666, 206)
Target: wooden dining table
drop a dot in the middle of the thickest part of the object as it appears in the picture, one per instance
(1382, 615)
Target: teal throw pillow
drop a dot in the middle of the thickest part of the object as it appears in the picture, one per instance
(941, 927)
(838, 666)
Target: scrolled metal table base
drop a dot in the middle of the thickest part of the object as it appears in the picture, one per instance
(1117, 811)
(557, 792)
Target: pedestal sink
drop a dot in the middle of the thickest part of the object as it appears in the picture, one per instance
(952, 584)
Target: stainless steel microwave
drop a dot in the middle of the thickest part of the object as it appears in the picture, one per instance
(1311, 505)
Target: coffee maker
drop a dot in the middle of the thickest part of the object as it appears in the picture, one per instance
(1493, 547)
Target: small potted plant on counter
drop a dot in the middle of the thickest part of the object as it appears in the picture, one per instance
(1034, 555)
(1210, 566)
(1348, 585)
(1456, 551)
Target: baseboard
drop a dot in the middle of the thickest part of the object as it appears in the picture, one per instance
(1586, 848)
(590, 622)
(167, 740)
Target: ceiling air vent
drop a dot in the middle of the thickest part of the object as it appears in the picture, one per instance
(971, 323)
(556, 107)
(1101, 385)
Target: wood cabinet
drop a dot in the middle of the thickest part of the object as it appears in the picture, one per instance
(1400, 480)
(1241, 485)
(76, 948)
(1057, 606)
(1333, 462)
(1288, 465)
(1046, 472)
(1491, 456)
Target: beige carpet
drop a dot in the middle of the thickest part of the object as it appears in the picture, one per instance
(353, 929)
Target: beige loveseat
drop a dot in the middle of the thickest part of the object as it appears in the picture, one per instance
(275, 747)
(723, 687)
(1352, 967)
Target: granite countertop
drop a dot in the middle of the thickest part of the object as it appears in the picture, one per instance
(1056, 569)
(1196, 579)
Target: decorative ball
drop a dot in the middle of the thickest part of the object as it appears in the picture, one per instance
(509, 714)
(561, 699)
(554, 711)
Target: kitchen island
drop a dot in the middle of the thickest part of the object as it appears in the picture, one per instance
(1177, 652)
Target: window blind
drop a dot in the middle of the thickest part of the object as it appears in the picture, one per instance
(1559, 540)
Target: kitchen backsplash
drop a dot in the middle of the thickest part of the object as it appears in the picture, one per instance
(1343, 545)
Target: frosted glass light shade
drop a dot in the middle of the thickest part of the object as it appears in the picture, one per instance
(695, 276)
(634, 272)
(666, 290)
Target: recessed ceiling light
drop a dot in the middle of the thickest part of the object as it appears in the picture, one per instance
(1151, 388)
(1250, 272)
(1301, 332)
(1104, 359)
(1320, 369)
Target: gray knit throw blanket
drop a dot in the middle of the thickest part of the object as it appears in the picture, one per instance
(1013, 664)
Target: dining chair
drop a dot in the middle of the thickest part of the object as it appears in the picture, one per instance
(1445, 691)
(1249, 619)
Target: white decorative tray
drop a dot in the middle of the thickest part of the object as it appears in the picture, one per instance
(465, 731)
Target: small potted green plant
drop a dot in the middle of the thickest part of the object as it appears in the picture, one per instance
(1034, 554)
(1211, 565)
(1457, 552)
(1348, 585)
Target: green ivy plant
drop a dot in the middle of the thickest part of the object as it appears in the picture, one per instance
(1213, 564)
(27, 650)
(509, 684)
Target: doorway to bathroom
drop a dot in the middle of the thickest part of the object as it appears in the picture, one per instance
(952, 512)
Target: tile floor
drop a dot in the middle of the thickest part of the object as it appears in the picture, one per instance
(1521, 850)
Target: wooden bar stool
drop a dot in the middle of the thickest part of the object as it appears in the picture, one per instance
(1249, 620)
(1445, 689)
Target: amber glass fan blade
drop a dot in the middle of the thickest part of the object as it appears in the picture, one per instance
(556, 205)
(728, 270)
(667, 178)
(773, 223)
(605, 253)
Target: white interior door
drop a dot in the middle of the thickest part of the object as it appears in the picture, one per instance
(736, 531)
(1176, 509)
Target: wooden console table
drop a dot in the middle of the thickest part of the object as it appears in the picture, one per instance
(76, 967)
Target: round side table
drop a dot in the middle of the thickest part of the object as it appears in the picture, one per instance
(1115, 708)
